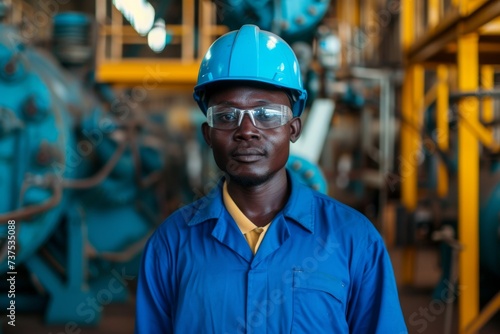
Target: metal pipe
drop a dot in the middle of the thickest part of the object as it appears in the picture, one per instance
(29, 211)
(447, 235)
(99, 176)
(487, 312)
(387, 126)
(475, 93)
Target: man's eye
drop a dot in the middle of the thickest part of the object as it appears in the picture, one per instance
(265, 114)
(226, 117)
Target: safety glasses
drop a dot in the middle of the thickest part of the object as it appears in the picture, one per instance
(264, 117)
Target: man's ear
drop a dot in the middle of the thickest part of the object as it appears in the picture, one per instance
(295, 129)
(205, 129)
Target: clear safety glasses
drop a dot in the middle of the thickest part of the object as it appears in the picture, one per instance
(264, 117)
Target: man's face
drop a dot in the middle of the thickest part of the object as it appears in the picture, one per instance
(248, 155)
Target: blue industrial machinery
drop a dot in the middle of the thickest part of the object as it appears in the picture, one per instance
(292, 20)
(489, 232)
(443, 228)
(308, 173)
(489, 215)
(78, 180)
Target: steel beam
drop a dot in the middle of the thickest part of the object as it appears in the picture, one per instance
(468, 182)
(149, 74)
(447, 31)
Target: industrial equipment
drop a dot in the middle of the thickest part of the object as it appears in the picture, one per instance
(463, 74)
(79, 179)
(292, 20)
(82, 166)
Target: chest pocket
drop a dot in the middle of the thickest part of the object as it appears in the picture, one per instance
(319, 303)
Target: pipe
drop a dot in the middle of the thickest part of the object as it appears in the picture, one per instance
(99, 176)
(31, 210)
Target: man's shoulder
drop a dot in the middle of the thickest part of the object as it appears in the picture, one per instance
(200, 209)
(329, 204)
(323, 204)
(341, 216)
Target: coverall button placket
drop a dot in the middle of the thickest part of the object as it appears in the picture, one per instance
(257, 309)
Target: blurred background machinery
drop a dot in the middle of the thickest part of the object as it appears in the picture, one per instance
(100, 139)
(80, 179)
(450, 144)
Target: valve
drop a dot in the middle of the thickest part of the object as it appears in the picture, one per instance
(47, 154)
(11, 66)
(35, 108)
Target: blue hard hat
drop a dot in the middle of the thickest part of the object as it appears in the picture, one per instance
(251, 55)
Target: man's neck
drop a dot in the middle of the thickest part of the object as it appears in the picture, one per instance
(261, 203)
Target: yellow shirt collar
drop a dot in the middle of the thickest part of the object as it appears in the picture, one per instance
(239, 217)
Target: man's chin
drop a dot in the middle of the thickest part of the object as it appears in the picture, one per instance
(249, 181)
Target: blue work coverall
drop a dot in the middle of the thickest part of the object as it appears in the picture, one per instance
(321, 268)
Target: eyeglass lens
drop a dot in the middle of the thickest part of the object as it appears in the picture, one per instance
(262, 118)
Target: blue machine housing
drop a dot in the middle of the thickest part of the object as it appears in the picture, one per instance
(78, 180)
(292, 20)
(489, 232)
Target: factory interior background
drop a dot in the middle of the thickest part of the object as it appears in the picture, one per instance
(100, 141)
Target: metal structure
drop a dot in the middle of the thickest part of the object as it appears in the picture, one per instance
(192, 32)
(463, 37)
(361, 146)
(174, 71)
(292, 20)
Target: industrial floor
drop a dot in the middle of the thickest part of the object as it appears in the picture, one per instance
(119, 319)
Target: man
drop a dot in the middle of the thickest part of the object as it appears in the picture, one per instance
(262, 253)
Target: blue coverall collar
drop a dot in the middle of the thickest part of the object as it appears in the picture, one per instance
(299, 207)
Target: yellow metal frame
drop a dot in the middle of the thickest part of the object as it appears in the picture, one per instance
(432, 46)
(452, 40)
(487, 83)
(468, 181)
(486, 314)
(358, 24)
(179, 73)
(150, 74)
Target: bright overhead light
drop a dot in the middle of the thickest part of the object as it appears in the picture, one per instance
(140, 14)
(119, 4)
(144, 19)
(157, 37)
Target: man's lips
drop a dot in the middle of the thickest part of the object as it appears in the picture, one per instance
(247, 155)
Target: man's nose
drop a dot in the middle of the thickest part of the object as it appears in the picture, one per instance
(246, 130)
